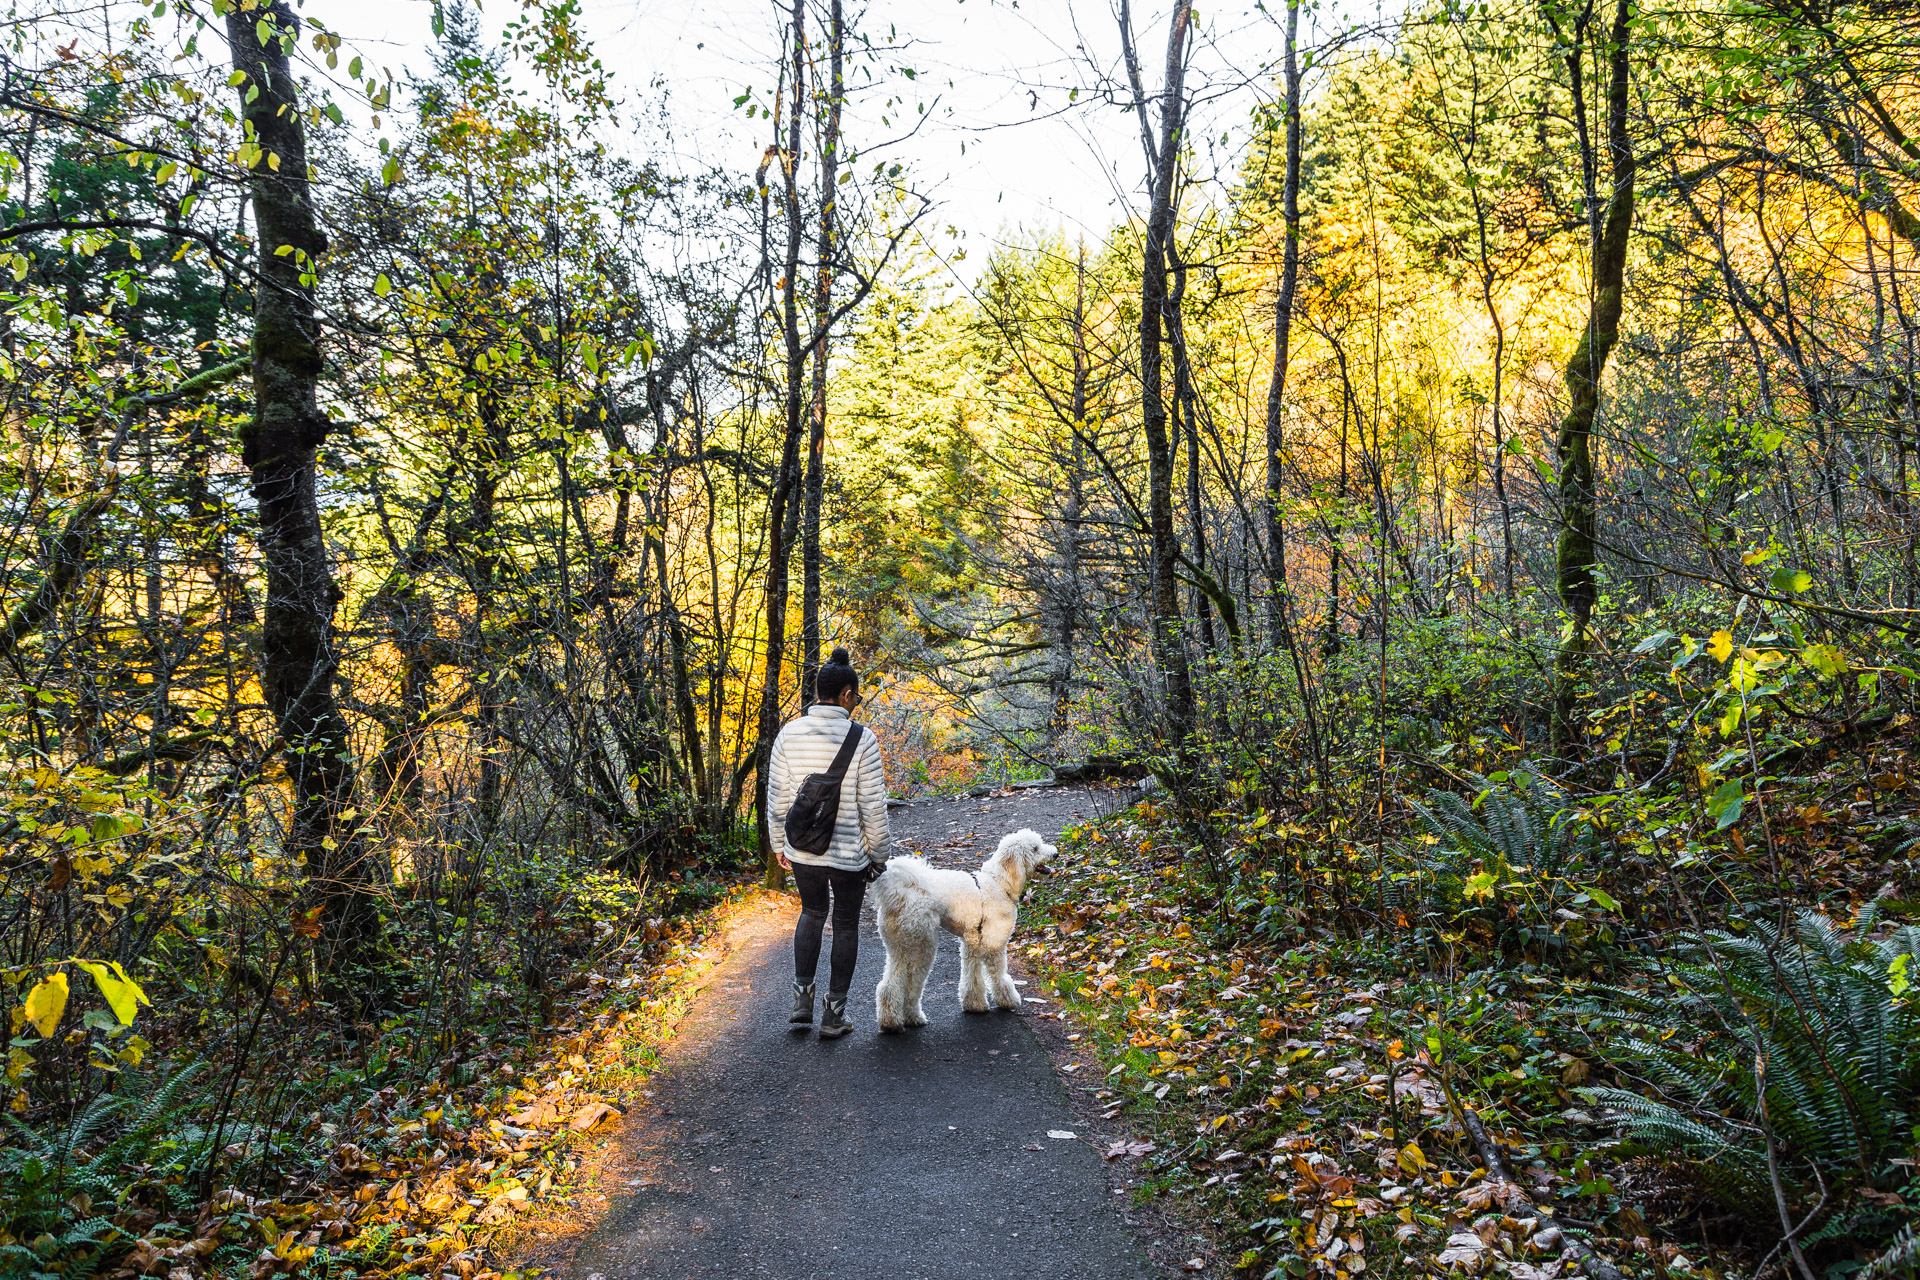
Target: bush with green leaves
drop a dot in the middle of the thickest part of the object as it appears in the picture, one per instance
(1809, 1035)
(1516, 860)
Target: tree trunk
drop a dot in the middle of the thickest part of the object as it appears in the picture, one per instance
(493, 452)
(1169, 648)
(822, 317)
(781, 517)
(1186, 415)
(1279, 630)
(1072, 512)
(298, 658)
(1573, 447)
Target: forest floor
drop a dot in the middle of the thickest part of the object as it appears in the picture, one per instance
(963, 1149)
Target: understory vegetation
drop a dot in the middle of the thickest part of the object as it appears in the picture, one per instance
(1675, 1033)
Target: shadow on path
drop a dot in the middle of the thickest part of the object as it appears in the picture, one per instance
(764, 1153)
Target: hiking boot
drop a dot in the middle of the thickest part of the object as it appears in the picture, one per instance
(833, 1018)
(802, 1016)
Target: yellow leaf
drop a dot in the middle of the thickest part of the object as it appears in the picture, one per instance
(1824, 658)
(1412, 1158)
(123, 994)
(46, 1002)
(1721, 646)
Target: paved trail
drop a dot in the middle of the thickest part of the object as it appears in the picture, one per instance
(918, 1156)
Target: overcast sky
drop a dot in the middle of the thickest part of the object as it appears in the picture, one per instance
(1003, 146)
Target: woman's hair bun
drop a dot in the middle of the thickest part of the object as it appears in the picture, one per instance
(839, 658)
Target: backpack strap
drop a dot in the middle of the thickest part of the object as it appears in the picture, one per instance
(844, 757)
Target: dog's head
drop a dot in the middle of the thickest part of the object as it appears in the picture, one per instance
(1024, 854)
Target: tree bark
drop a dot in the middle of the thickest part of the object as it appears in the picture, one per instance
(1169, 647)
(822, 319)
(298, 658)
(1573, 446)
(1279, 631)
(781, 515)
(1072, 512)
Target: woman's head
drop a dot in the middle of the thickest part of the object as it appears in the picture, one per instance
(836, 677)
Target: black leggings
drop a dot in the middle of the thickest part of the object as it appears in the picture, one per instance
(849, 887)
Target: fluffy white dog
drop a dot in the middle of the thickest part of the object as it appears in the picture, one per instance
(915, 901)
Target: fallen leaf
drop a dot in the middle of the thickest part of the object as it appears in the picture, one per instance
(1061, 1133)
(542, 1112)
(1462, 1247)
(590, 1115)
(1193, 1264)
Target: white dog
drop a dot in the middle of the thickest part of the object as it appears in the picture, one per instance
(915, 901)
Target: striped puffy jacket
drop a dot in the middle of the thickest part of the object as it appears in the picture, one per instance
(807, 745)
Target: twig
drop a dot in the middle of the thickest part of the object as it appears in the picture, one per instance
(1585, 1260)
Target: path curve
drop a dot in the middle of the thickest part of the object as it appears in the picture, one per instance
(920, 1156)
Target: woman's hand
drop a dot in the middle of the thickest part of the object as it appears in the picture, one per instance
(781, 854)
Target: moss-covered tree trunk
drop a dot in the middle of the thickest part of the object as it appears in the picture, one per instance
(299, 660)
(1573, 446)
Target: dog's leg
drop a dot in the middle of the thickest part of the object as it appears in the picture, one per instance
(1005, 994)
(887, 996)
(916, 962)
(973, 980)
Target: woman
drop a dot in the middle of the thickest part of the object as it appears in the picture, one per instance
(807, 745)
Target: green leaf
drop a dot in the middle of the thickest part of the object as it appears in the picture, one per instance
(1726, 803)
(1791, 581)
(381, 285)
(1480, 885)
(1602, 899)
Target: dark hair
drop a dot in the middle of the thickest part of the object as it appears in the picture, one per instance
(836, 676)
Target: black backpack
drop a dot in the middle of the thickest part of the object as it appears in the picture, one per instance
(816, 806)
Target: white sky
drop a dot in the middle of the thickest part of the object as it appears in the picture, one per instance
(1003, 147)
